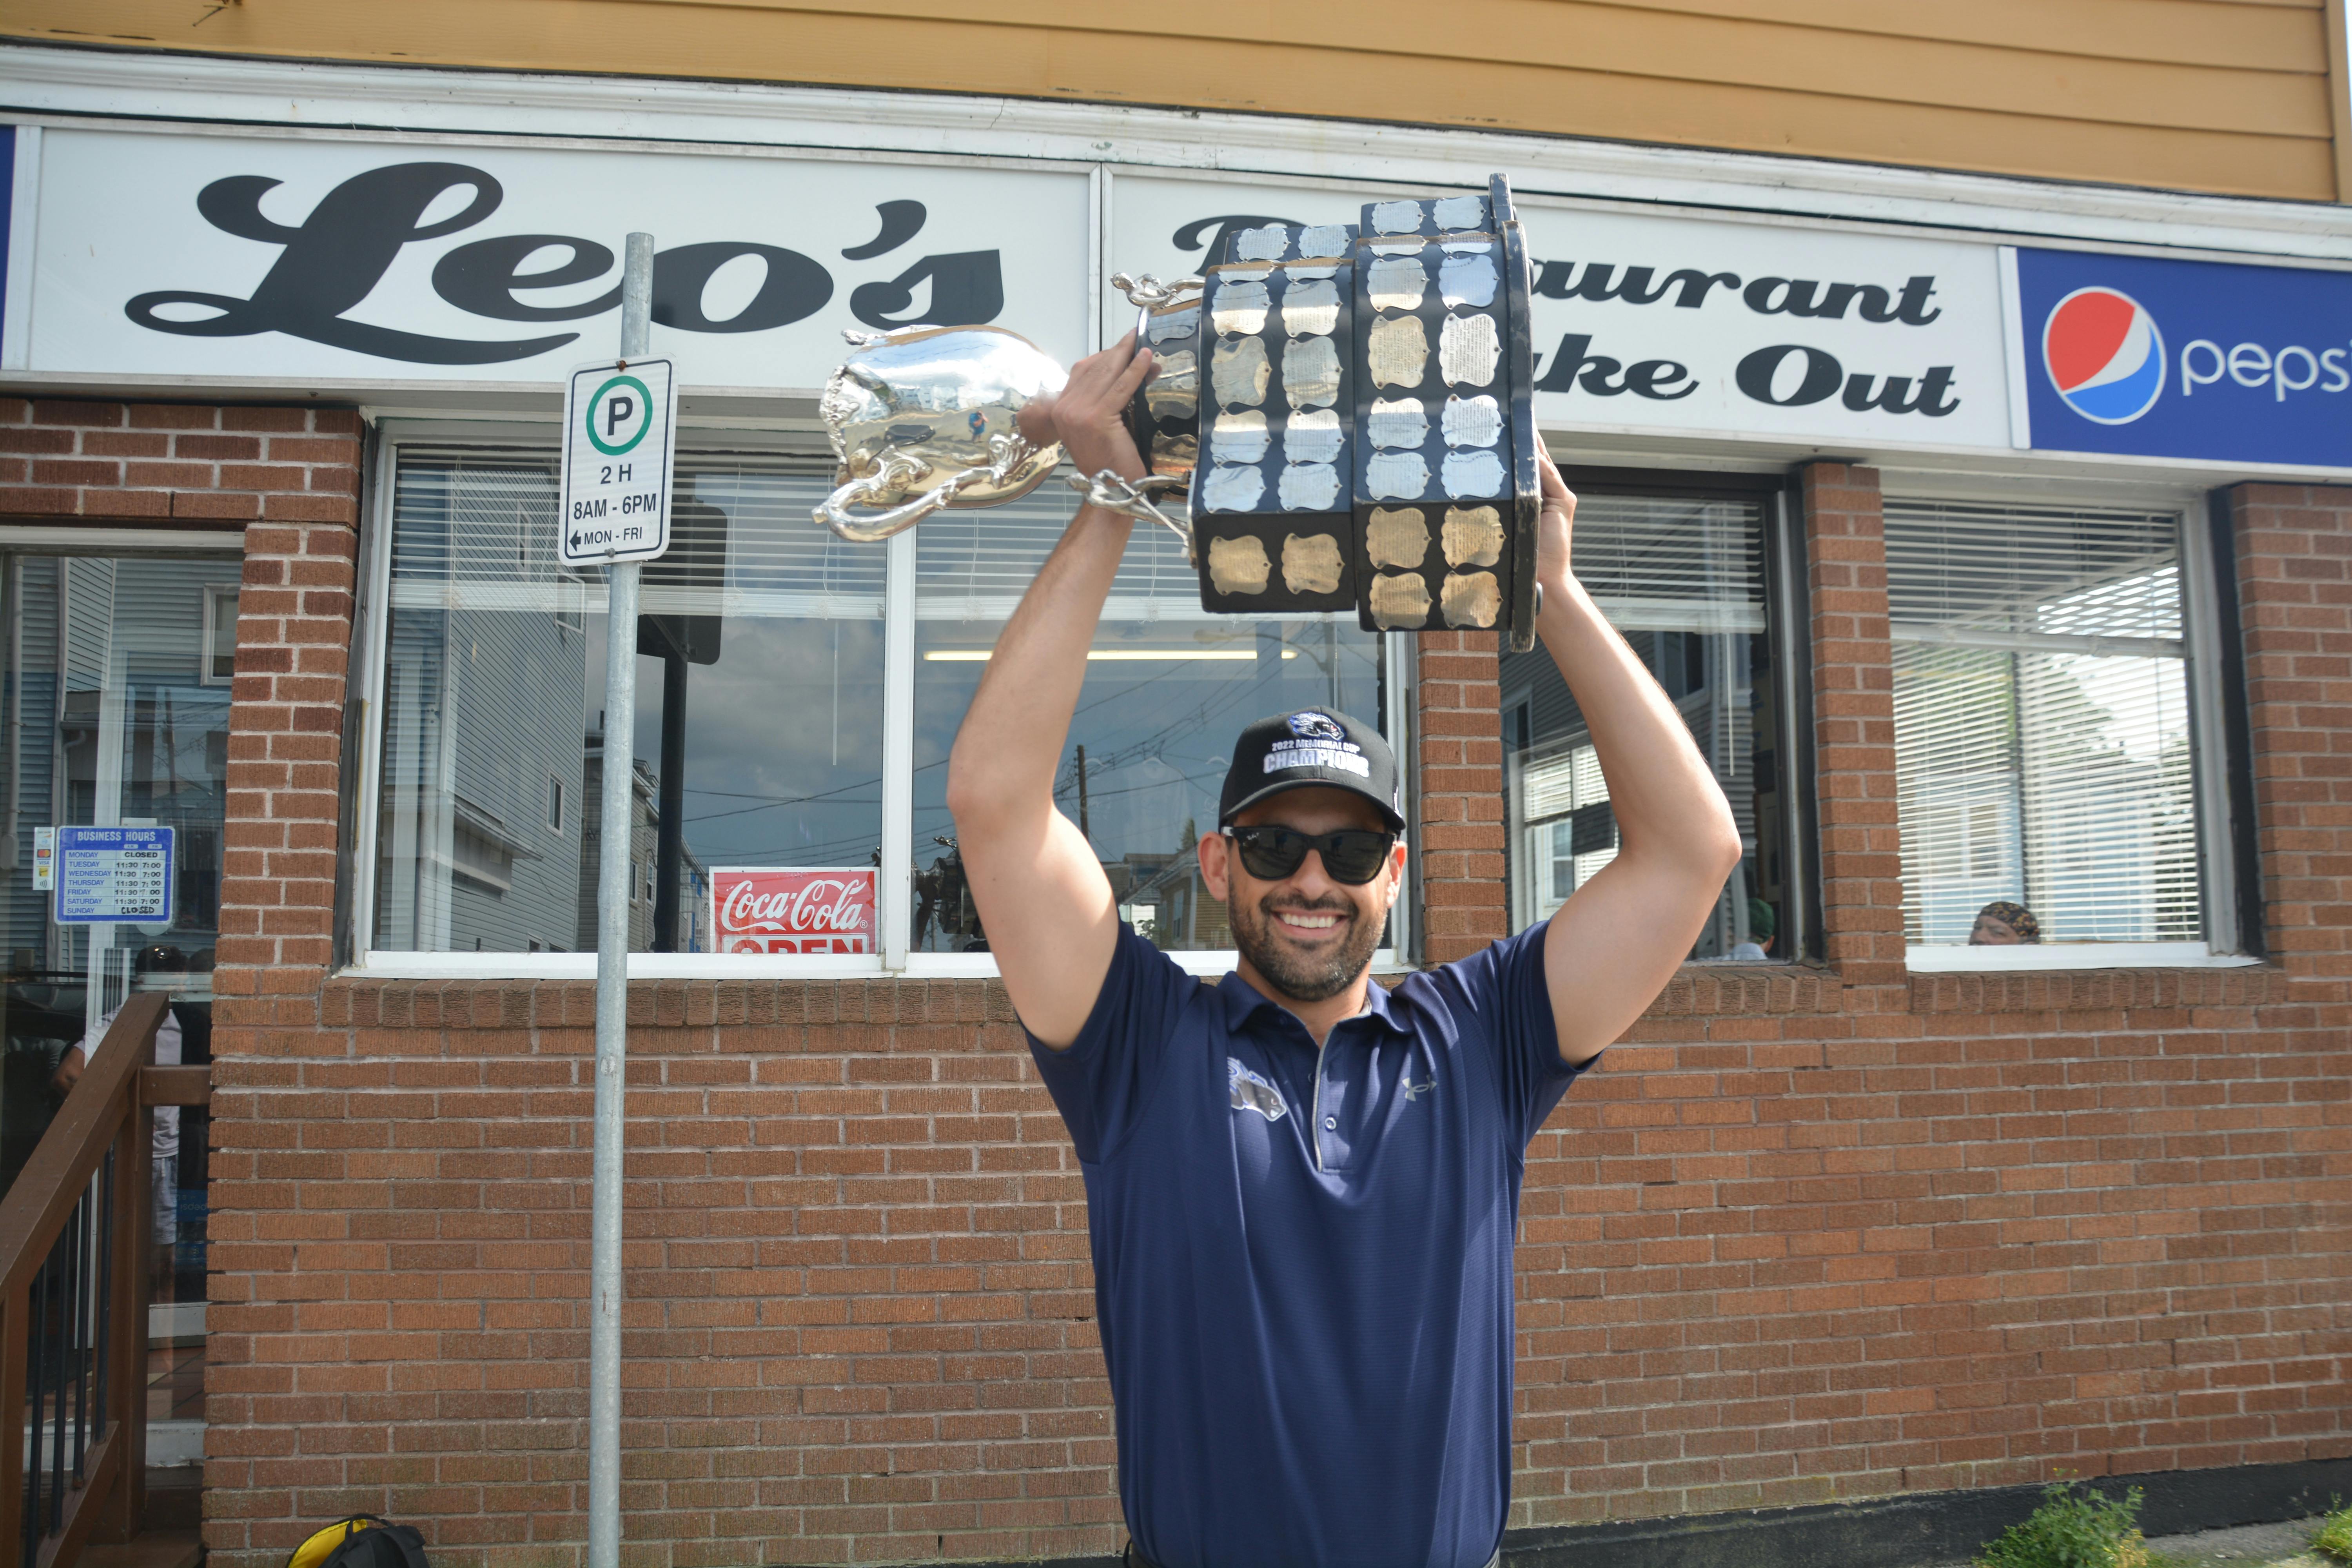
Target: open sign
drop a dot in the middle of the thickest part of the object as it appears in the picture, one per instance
(768, 909)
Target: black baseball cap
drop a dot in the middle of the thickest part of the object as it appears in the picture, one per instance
(1312, 746)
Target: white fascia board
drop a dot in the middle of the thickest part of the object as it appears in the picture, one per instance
(67, 81)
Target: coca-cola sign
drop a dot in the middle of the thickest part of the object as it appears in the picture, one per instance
(768, 909)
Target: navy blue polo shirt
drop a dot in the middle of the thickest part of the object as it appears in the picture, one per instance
(1302, 1258)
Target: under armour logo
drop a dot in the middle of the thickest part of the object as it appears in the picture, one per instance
(1413, 1091)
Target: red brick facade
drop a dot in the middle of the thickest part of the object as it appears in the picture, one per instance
(1808, 1234)
(2295, 578)
(177, 464)
(1459, 701)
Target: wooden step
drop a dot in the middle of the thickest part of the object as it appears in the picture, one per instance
(152, 1549)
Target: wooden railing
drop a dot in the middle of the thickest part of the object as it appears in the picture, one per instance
(74, 1250)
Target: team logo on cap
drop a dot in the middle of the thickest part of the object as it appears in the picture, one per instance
(2104, 354)
(1316, 727)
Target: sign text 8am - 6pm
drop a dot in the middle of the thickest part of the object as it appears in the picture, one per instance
(620, 440)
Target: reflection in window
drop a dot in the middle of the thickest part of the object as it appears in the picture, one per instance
(116, 693)
(760, 644)
(2040, 722)
(1168, 689)
(1683, 580)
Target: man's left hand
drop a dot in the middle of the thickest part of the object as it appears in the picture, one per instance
(1555, 524)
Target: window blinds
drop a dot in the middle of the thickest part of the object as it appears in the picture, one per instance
(1683, 578)
(2041, 721)
(476, 529)
(1673, 564)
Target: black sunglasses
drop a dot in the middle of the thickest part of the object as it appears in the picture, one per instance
(1353, 855)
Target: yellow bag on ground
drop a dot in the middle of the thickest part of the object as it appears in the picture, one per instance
(363, 1541)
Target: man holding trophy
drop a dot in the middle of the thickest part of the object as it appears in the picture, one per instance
(1303, 1188)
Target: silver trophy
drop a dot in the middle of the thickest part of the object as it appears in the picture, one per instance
(925, 418)
(1338, 416)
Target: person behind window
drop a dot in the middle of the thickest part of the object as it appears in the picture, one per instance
(1763, 925)
(2003, 924)
(1302, 1187)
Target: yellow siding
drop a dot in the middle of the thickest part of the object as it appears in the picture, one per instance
(2215, 95)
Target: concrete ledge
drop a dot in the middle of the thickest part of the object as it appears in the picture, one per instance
(1914, 1529)
(1917, 1529)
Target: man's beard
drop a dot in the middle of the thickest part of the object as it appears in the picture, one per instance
(1298, 977)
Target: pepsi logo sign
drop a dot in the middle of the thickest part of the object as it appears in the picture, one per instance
(2251, 365)
(2104, 354)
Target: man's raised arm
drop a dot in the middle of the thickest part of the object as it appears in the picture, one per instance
(1612, 947)
(1039, 889)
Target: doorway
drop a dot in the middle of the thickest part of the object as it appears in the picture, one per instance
(115, 701)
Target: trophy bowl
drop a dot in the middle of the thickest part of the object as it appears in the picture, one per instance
(924, 417)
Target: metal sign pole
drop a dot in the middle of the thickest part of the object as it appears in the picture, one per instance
(614, 869)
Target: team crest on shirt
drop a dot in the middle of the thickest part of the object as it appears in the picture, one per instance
(1252, 1092)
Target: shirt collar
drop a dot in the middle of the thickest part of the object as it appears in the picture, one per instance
(1242, 1002)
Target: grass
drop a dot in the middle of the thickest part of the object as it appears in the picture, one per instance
(2334, 1538)
(2074, 1528)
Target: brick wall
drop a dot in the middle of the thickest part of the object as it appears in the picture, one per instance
(1808, 1234)
(2295, 579)
(1854, 731)
(177, 464)
(1459, 702)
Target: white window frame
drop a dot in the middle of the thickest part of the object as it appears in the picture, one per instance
(214, 594)
(894, 892)
(2221, 947)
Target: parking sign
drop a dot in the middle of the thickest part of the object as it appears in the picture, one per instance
(620, 442)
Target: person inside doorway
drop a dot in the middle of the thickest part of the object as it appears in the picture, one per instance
(2004, 924)
(163, 1146)
(1302, 1186)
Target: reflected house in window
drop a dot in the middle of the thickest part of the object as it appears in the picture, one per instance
(486, 705)
(645, 827)
(1185, 914)
(482, 851)
(762, 676)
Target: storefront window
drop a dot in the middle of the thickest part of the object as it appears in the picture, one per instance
(491, 750)
(761, 637)
(1683, 578)
(1168, 689)
(2042, 722)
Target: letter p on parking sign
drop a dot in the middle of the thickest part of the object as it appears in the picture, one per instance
(620, 444)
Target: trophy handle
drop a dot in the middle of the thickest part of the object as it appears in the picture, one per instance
(1009, 451)
(1148, 291)
(1107, 491)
